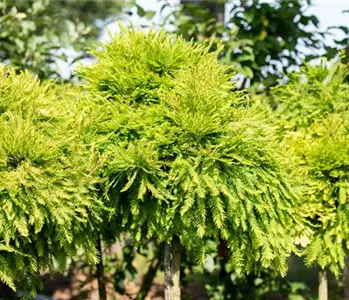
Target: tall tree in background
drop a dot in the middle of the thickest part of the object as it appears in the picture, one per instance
(37, 35)
(32, 39)
(215, 9)
(93, 14)
(263, 40)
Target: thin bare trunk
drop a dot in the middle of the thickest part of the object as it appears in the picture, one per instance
(172, 262)
(100, 273)
(323, 286)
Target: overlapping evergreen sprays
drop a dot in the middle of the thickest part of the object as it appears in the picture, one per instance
(312, 113)
(46, 181)
(185, 160)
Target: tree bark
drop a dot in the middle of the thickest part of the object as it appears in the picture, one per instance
(172, 261)
(323, 286)
(100, 273)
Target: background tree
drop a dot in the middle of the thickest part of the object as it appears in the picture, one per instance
(263, 40)
(93, 14)
(41, 35)
(212, 10)
(32, 39)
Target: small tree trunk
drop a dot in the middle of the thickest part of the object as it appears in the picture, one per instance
(100, 273)
(323, 289)
(346, 280)
(172, 263)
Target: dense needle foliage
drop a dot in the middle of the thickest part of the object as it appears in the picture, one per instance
(326, 154)
(311, 95)
(313, 116)
(47, 207)
(183, 155)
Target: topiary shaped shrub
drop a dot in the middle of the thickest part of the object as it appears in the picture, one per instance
(311, 94)
(185, 160)
(312, 113)
(47, 205)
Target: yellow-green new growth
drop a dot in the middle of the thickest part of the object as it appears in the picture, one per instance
(184, 157)
(313, 115)
(47, 207)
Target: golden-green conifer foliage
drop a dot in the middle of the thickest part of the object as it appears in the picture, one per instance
(313, 116)
(183, 155)
(47, 205)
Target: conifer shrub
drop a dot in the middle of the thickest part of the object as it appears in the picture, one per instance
(47, 204)
(183, 156)
(313, 116)
(326, 155)
(311, 95)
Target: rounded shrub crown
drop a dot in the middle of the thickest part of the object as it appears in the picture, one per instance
(46, 204)
(313, 116)
(325, 153)
(183, 156)
(311, 94)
